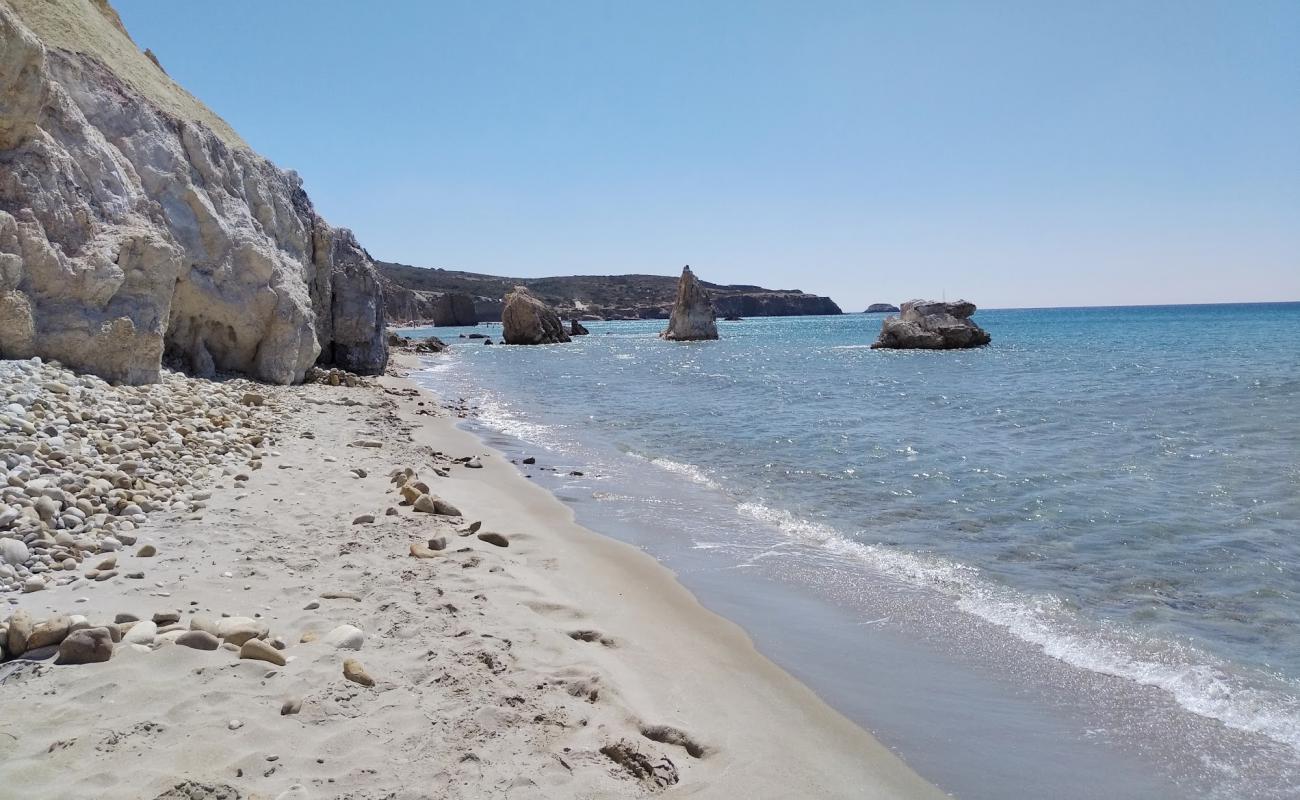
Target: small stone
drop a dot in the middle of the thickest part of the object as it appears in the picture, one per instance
(308, 636)
(494, 539)
(367, 443)
(124, 618)
(353, 671)
(474, 463)
(34, 584)
(346, 637)
(390, 512)
(20, 627)
(420, 550)
(291, 706)
(530, 460)
(147, 551)
(50, 632)
(312, 606)
(142, 632)
(107, 563)
(261, 651)
(364, 519)
(13, 552)
(86, 646)
(235, 724)
(359, 472)
(199, 640)
(238, 630)
(166, 617)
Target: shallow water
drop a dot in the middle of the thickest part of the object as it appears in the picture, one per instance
(1090, 526)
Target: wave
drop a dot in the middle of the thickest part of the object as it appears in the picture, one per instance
(1195, 680)
(689, 471)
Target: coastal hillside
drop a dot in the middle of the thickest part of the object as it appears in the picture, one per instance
(413, 291)
(137, 227)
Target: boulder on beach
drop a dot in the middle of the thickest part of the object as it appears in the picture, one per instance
(527, 320)
(692, 317)
(882, 308)
(932, 325)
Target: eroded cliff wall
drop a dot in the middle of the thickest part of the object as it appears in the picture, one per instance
(135, 224)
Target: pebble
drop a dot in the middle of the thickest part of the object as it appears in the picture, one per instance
(147, 551)
(346, 637)
(235, 724)
(199, 640)
(86, 646)
(353, 671)
(261, 651)
(291, 706)
(142, 632)
(364, 519)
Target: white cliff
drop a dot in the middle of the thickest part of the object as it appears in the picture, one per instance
(135, 224)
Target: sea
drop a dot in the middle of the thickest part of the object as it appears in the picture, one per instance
(1065, 565)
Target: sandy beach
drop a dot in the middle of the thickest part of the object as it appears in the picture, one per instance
(544, 661)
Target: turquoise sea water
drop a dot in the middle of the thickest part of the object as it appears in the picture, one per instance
(1105, 499)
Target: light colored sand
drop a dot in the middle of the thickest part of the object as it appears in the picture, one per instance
(481, 691)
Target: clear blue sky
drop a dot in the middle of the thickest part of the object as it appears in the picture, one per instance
(1014, 153)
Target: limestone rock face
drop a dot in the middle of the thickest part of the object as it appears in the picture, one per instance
(692, 317)
(527, 320)
(932, 325)
(136, 225)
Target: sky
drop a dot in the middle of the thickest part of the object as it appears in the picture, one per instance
(1017, 154)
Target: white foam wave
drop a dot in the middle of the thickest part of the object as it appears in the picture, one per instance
(1192, 678)
(497, 415)
(688, 471)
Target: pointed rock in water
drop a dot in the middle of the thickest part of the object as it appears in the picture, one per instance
(527, 320)
(692, 318)
(577, 328)
(932, 325)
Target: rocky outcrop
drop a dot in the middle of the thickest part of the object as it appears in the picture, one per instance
(136, 225)
(932, 325)
(692, 317)
(881, 308)
(441, 309)
(527, 320)
(577, 328)
(605, 296)
(772, 304)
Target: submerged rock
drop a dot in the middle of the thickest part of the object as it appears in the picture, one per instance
(692, 317)
(932, 325)
(527, 320)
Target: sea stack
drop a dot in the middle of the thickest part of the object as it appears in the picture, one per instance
(577, 328)
(527, 320)
(692, 318)
(135, 224)
(932, 325)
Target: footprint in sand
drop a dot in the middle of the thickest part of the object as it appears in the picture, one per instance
(592, 636)
(665, 734)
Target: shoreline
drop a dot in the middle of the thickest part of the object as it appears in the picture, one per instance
(566, 664)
